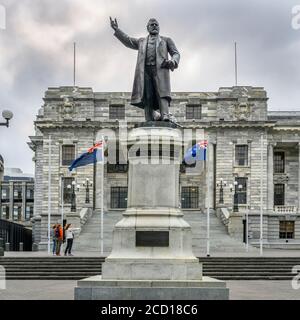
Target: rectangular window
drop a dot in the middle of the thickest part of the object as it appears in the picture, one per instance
(4, 212)
(118, 197)
(17, 192)
(189, 197)
(5, 193)
(28, 213)
(29, 193)
(241, 190)
(241, 155)
(279, 194)
(193, 111)
(17, 214)
(279, 161)
(67, 189)
(67, 154)
(117, 112)
(286, 229)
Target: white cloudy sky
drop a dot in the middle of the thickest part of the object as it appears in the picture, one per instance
(36, 52)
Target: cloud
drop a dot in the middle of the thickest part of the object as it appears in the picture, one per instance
(36, 52)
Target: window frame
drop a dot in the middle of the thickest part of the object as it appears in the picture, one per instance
(67, 193)
(30, 211)
(4, 212)
(276, 165)
(117, 197)
(193, 114)
(67, 162)
(114, 111)
(283, 194)
(284, 231)
(242, 194)
(236, 154)
(189, 197)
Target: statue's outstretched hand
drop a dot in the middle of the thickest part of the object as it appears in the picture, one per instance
(114, 23)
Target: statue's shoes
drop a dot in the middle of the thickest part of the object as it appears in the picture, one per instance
(166, 118)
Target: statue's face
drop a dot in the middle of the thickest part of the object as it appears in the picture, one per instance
(153, 27)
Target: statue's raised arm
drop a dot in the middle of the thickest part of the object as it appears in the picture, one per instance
(129, 42)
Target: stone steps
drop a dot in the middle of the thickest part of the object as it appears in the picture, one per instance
(220, 241)
(75, 268)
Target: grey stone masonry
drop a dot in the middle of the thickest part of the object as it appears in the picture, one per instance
(230, 117)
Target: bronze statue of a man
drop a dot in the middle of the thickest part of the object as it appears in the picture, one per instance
(151, 88)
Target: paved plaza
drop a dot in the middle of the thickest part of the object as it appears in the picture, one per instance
(64, 290)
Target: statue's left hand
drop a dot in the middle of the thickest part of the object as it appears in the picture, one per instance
(168, 64)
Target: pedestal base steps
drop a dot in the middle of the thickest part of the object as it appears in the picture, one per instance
(96, 288)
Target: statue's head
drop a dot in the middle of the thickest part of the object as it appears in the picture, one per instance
(153, 27)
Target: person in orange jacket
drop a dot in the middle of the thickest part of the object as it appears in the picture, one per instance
(59, 238)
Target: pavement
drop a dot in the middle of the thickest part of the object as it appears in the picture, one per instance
(266, 253)
(64, 290)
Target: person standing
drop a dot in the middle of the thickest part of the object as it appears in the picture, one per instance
(53, 239)
(59, 238)
(69, 232)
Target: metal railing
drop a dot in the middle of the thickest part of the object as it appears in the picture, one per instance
(14, 234)
(285, 209)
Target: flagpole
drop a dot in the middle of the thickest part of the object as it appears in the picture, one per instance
(74, 66)
(208, 201)
(49, 193)
(102, 193)
(247, 216)
(235, 62)
(261, 195)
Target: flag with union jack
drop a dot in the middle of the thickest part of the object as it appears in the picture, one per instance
(93, 155)
(196, 153)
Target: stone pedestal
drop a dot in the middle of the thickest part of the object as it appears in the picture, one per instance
(152, 254)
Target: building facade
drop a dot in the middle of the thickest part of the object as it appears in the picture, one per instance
(17, 196)
(250, 148)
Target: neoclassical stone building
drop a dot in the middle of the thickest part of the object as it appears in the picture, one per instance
(250, 148)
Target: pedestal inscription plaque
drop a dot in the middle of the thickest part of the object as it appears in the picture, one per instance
(152, 238)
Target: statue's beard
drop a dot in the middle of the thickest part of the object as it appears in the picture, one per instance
(154, 32)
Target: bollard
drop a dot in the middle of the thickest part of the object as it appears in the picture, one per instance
(7, 246)
(21, 246)
(1, 252)
(35, 247)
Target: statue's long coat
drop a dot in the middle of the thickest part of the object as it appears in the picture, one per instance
(164, 46)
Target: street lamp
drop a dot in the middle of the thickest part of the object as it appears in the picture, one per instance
(7, 115)
(73, 195)
(221, 184)
(235, 196)
(87, 186)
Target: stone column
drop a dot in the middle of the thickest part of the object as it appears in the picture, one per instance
(270, 177)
